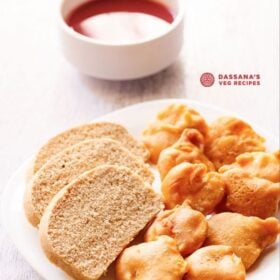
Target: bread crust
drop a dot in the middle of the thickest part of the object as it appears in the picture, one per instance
(28, 205)
(46, 245)
(66, 191)
(86, 132)
(77, 159)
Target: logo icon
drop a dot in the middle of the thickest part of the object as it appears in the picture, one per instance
(207, 79)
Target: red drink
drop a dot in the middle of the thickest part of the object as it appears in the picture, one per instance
(120, 21)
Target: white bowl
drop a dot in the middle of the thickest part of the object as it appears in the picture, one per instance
(122, 61)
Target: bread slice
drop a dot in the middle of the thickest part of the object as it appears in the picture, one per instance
(90, 221)
(72, 162)
(87, 132)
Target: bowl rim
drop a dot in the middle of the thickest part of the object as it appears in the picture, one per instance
(70, 31)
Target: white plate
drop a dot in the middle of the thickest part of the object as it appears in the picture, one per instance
(135, 119)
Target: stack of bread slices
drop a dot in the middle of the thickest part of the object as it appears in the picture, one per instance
(90, 194)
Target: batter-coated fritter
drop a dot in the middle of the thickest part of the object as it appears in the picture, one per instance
(258, 164)
(188, 148)
(187, 226)
(169, 125)
(191, 183)
(248, 236)
(215, 263)
(229, 137)
(155, 260)
(249, 195)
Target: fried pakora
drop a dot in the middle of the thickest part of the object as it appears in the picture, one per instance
(248, 236)
(169, 125)
(249, 195)
(188, 148)
(258, 164)
(215, 263)
(192, 183)
(187, 226)
(155, 260)
(229, 137)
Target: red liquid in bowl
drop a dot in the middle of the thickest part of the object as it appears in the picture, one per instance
(120, 21)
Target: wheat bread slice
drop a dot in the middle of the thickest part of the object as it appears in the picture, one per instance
(89, 222)
(72, 162)
(87, 132)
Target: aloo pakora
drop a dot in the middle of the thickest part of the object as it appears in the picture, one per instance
(169, 125)
(250, 195)
(155, 260)
(188, 227)
(248, 236)
(215, 263)
(229, 137)
(188, 148)
(259, 164)
(192, 183)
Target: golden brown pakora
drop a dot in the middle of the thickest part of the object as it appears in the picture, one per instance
(229, 137)
(187, 226)
(249, 195)
(248, 236)
(215, 263)
(188, 148)
(191, 183)
(155, 260)
(258, 164)
(169, 125)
